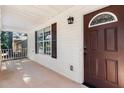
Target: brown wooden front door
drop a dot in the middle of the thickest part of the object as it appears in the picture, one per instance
(104, 50)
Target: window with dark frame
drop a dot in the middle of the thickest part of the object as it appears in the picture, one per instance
(43, 41)
(46, 41)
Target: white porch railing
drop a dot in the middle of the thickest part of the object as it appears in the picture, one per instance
(10, 54)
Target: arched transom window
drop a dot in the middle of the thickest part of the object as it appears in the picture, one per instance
(103, 18)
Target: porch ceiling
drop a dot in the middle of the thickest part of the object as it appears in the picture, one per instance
(25, 17)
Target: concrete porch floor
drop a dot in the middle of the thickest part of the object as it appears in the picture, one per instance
(25, 73)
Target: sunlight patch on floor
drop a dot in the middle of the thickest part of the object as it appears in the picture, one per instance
(19, 68)
(27, 60)
(18, 64)
(23, 61)
(3, 67)
(26, 78)
(8, 62)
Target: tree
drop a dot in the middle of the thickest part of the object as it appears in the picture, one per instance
(4, 40)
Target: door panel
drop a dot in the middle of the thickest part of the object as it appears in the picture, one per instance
(94, 40)
(112, 71)
(93, 61)
(101, 66)
(104, 61)
(111, 39)
(101, 46)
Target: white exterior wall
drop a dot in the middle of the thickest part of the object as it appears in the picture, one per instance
(69, 43)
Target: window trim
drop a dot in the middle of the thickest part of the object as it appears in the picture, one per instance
(40, 31)
(43, 41)
(47, 41)
(110, 13)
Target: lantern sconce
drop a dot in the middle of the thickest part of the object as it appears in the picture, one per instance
(70, 20)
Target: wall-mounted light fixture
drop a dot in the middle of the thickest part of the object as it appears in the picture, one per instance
(70, 20)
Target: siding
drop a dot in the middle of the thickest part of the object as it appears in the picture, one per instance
(69, 43)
